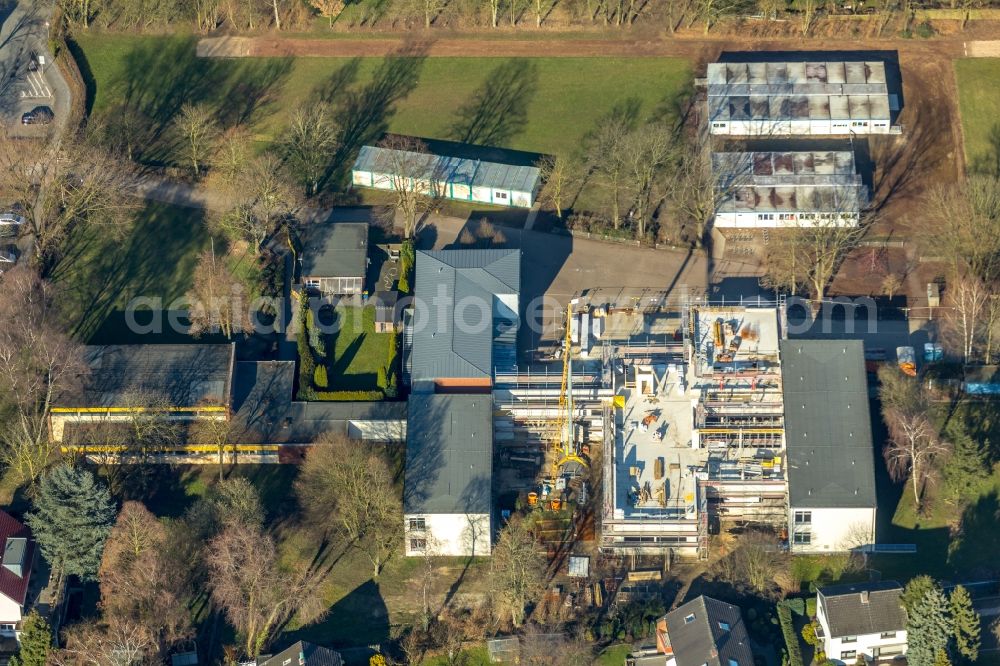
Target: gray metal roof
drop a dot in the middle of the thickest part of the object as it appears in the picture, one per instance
(708, 631)
(185, 375)
(457, 342)
(797, 91)
(831, 460)
(849, 613)
(303, 653)
(265, 413)
(442, 168)
(335, 249)
(449, 454)
(788, 181)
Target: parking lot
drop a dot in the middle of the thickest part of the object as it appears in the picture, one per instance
(28, 77)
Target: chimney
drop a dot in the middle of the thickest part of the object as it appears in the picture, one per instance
(864, 596)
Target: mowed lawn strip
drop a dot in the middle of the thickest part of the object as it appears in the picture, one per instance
(358, 351)
(979, 103)
(562, 100)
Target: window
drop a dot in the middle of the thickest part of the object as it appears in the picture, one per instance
(802, 538)
(418, 524)
(803, 517)
(724, 626)
(418, 545)
(501, 195)
(689, 619)
(888, 634)
(848, 654)
(849, 639)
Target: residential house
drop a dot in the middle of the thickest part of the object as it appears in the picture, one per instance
(335, 258)
(828, 442)
(16, 567)
(304, 654)
(861, 620)
(447, 495)
(701, 632)
(465, 319)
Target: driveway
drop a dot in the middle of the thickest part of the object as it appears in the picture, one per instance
(24, 30)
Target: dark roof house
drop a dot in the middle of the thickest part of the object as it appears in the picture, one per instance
(305, 654)
(449, 454)
(185, 375)
(17, 561)
(705, 632)
(466, 309)
(337, 249)
(858, 609)
(827, 429)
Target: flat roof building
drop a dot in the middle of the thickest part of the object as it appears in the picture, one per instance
(828, 440)
(459, 178)
(787, 189)
(447, 497)
(335, 258)
(798, 98)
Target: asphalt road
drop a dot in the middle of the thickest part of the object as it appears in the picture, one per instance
(23, 31)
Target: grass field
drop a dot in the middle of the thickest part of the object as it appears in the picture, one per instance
(538, 104)
(99, 273)
(358, 351)
(979, 102)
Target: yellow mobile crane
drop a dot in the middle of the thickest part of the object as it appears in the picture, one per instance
(565, 444)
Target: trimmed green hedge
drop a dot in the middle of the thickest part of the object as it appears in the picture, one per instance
(791, 639)
(347, 396)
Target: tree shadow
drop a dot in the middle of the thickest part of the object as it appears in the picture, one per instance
(498, 109)
(973, 550)
(335, 85)
(361, 618)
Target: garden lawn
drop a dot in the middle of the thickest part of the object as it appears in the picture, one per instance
(358, 351)
(99, 274)
(979, 103)
(541, 105)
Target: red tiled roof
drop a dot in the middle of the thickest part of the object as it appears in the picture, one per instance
(11, 585)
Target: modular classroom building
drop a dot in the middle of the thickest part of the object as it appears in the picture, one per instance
(787, 189)
(798, 98)
(458, 178)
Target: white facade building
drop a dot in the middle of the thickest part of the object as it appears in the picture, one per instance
(448, 494)
(787, 189)
(828, 443)
(862, 620)
(799, 98)
(16, 566)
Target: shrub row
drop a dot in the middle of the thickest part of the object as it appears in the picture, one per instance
(791, 639)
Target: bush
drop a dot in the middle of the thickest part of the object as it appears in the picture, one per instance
(319, 377)
(925, 30)
(811, 607)
(809, 635)
(383, 380)
(791, 640)
(346, 396)
(407, 259)
(315, 335)
(797, 605)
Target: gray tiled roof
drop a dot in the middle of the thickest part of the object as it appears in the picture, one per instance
(305, 654)
(335, 249)
(185, 375)
(449, 454)
(827, 429)
(460, 345)
(848, 614)
(698, 635)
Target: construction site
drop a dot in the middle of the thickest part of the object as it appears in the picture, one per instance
(667, 424)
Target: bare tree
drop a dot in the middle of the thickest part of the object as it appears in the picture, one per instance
(329, 8)
(234, 152)
(758, 560)
(647, 152)
(960, 225)
(560, 175)
(220, 433)
(310, 142)
(38, 364)
(217, 299)
(607, 156)
(693, 189)
(136, 581)
(352, 487)
(912, 448)
(517, 571)
(970, 299)
(119, 641)
(198, 132)
(413, 174)
(256, 593)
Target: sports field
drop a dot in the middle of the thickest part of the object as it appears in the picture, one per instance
(536, 104)
(979, 103)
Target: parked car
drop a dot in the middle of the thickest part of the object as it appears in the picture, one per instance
(10, 224)
(40, 115)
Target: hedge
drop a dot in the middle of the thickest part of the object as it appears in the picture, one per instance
(791, 639)
(347, 396)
